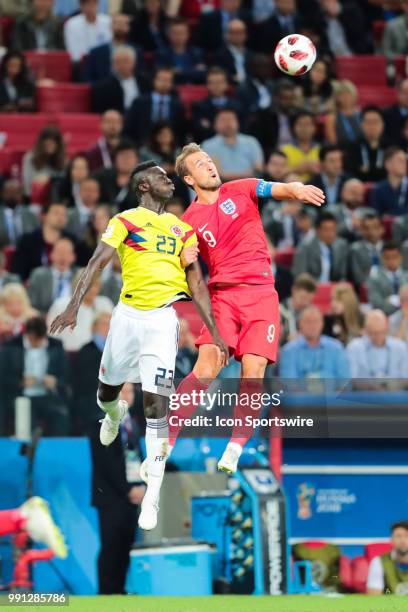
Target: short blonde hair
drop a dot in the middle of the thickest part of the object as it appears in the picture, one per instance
(345, 86)
(181, 167)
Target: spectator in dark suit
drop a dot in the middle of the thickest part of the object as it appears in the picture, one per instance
(234, 57)
(396, 115)
(99, 60)
(365, 158)
(283, 276)
(15, 218)
(34, 248)
(86, 204)
(84, 376)
(114, 182)
(162, 104)
(350, 210)
(284, 21)
(116, 493)
(47, 283)
(101, 154)
(324, 257)
(149, 27)
(385, 280)
(255, 93)
(390, 196)
(343, 24)
(213, 25)
(365, 254)
(205, 110)
(119, 90)
(39, 30)
(185, 60)
(271, 126)
(66, 188)
(35, 366)
(16, 88)
(331, 177)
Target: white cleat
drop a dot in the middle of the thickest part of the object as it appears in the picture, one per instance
(41, 527)
(229, 460)
(110, 427)
(148, 515)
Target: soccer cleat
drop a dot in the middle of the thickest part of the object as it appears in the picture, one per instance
(229, 460)
(110, 427)
(148, 515)
(40, 526)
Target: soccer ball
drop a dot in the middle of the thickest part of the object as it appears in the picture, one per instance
(295, 54)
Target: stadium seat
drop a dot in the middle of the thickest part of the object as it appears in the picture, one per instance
(64, 98)
(54, 65)
(21, 129)
(9, 253)
(40, 192)
(378, 27)
(322, 299)
(6, 28)
(376, 95)
(362, 69)
(401, 66)
(363, 293)
(190, 94)
(284, 257)
(388, 222)
(10, 161)
(186, 310)
(80, 131)
(359, 572)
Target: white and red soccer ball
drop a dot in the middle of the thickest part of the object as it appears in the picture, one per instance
(295, 54)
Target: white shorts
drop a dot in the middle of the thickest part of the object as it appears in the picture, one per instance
(141, 347)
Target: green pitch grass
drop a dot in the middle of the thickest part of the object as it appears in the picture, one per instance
(227, 603)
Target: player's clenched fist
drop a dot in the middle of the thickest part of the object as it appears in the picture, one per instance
(189, 255)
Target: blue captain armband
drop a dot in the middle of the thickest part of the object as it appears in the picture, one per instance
(264, 189)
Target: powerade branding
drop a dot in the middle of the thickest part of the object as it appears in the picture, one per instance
(274, 533)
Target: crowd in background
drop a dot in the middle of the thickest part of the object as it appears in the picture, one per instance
(253, 122)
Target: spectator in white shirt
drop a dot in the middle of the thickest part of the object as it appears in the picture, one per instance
(388, 573)
(87, 30)
(92, 305)
(377, 360)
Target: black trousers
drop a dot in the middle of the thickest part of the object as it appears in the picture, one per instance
(117, 525)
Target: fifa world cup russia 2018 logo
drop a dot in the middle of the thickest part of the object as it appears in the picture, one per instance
(305, 494)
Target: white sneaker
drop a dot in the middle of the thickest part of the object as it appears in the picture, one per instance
(41, 527)
(148, 515)
(229, 460)
(110, 427)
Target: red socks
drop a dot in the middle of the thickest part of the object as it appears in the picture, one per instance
(242, 432)
(11, 521)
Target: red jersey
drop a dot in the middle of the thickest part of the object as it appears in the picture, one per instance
(231, 237)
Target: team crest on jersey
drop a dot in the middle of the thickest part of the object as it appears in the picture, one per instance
(177, 231)
(229, 207)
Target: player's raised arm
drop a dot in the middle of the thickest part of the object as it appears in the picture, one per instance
(102, 255)
(201, 299)
(298, 191)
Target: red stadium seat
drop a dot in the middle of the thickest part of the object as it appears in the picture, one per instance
(54, 65)
(388, 222)
(6, 28)
(400, 63)
(191, 93)
(376, 95)
(9, 253)
(80, 131)
(186, 310)
(378, 31)
(19, 130)
(10, 161)
(40, 192)
(363, 293)
(359, 571)
(64, 98)
(322, 299)
(362, 69)
(285, 257)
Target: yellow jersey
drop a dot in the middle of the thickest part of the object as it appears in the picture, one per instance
(149, 246)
